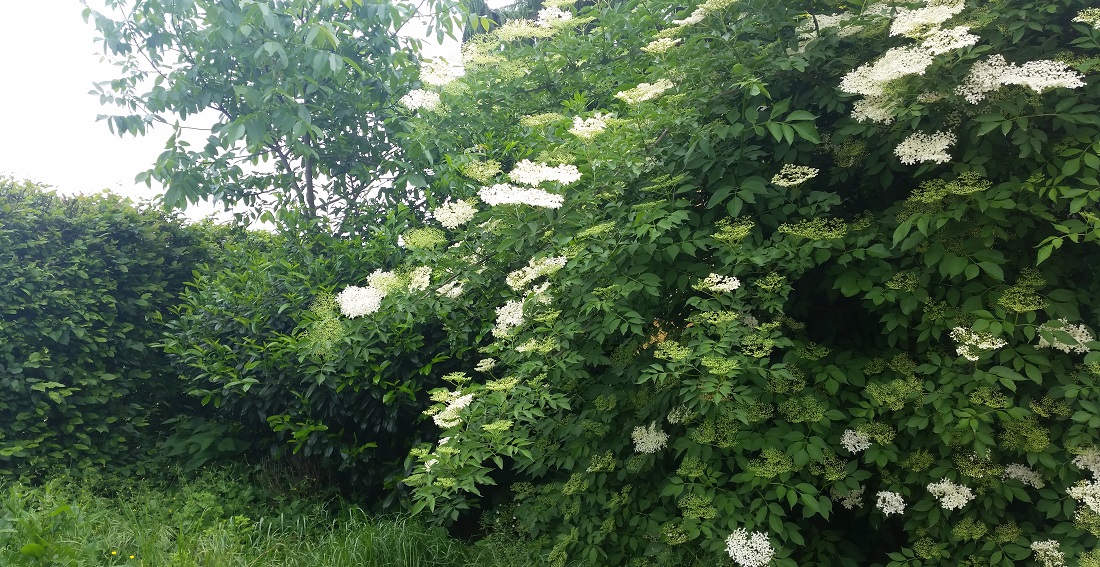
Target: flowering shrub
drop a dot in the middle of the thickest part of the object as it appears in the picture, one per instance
(819, 293)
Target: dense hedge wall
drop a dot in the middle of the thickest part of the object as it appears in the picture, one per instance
(86, 281)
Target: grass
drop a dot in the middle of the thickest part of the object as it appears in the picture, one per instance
(218, 519)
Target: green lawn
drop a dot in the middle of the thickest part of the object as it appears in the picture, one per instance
(217, 518)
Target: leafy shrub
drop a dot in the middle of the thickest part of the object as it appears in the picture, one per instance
(258, 339)
(86, 282)
(784, 289)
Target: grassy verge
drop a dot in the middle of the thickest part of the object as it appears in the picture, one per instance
(216, 519)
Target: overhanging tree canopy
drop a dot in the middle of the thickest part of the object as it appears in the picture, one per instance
(300, 91)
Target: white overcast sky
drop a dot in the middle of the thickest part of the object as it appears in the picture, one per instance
(49, 61)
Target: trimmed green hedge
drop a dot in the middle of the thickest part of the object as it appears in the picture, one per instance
(86, 280)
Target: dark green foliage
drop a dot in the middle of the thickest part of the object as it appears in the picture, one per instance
(256, 339)
(85, 282)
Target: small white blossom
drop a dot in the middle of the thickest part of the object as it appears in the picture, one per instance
(850, 499)
(589, 127)
(385, 281)
(749, 549)
(451, 289)
(920, 147)
(660, 45)
(1089, 16)
(429, 464)
(530, 173)
(855, 441)
(1086, 492)
(951, 496)
(993, 73)
(942, 41)
(485, 364)
(449, 417)
(552, 16)
(792, 175)
(695, 17)
(971, 343)
(649, 439)
(439, 72)
(915, 23)
(357, 301)
(505, 194)
(420, 98)
(1048, 553)
(521, 278)
(890, 503)
(869, 79)
(1079, 333)
(718, 284)
(1024, 474)
(509, 318)
(455, 214)
(420, 278)
(644, 91)
(1089, 461)
(880, 109)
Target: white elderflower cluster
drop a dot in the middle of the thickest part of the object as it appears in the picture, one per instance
(1048, 553)
(1089, 16)
(920, 147)
(749, 549)
(449, 417)
(420, 278)
(1089, 461)
(993, 73)
(880, 109)
(650, 439)
(855, 441)
(1086, 492)
(438, 72)
(824, 21)
(530, 173)
(644, 91)
(357, 301)
(971, 343)
(553, 16)
(420, 98)
(792, 175)
(454, 215)
(485, 364)
(451, 289)
(505, 194)
(696, 16)
(718, 284)
(870, 79)
(521, 278)
(942, 41)
(524, 29)
(661, 45)
(917, 22)
(1024, 474)
(951, 496)
(679, 414)
(1079, 333)
(385, 281)
(890, 503)
(509, 318)
(588, 128)
(851, 499)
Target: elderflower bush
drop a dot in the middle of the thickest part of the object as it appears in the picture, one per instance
(818, 295)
